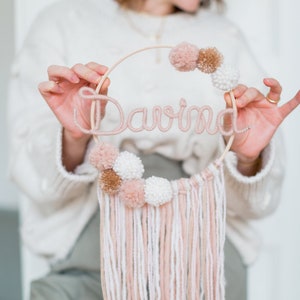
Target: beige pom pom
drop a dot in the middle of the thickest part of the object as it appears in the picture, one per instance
(110, 181)
(209, 60)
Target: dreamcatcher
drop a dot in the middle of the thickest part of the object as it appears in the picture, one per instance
(163, 239)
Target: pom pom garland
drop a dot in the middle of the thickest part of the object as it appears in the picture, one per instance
(186, 57)
(122, 173)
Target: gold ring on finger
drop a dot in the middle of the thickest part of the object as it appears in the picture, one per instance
(272, 100)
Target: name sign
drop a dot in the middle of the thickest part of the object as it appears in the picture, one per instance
(167, 115)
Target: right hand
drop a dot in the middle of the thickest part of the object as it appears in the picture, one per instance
(61, 94)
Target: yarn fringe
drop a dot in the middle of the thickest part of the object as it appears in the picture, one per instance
(175, 251)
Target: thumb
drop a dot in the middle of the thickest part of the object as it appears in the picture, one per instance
(227, 120)
(227, 100)
(288, 107)
(104, 87)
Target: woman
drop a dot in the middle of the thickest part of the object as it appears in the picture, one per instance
(48, 154)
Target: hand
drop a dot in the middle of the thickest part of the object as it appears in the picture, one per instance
(263, 118)
(61, 94)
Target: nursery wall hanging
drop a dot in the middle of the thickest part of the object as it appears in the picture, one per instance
(163, 239)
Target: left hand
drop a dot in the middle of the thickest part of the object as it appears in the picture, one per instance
(262, 116)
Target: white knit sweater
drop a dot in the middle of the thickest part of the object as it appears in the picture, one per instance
(73, 31)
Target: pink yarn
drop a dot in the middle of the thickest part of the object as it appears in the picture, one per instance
(103, 156)
(132, 193)
(184, 57)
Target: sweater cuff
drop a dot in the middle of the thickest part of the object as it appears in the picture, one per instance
(254, 197)
(69, 183)
(83, 173)
(267, 155)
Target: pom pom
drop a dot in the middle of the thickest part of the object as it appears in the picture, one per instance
(132, 193)
(209, 60)
(103, 156)
(110, 181)
(184, 57)
(158, 191)
(128, 166)
(225, 78)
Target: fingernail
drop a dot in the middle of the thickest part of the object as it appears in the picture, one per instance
(75, 79)
(269, 80)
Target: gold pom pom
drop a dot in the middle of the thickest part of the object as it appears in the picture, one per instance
(110, 181)
(209, 60)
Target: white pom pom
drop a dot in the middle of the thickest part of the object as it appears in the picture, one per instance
(128, 166)
(225, 78)
(158, 191)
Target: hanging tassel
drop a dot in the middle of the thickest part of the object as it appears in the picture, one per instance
(174, 251)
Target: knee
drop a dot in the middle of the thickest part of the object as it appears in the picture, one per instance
(37, 290)
(45, 289)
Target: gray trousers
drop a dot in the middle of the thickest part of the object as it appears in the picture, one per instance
(78, 276)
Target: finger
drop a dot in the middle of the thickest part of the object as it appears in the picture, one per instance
(100, 69)
(275, 88)
(248, 96)
(227, 120)
(86, 73)
(227, 100)
(104, 87)
(49, 87)
(56, 73)
(237, 92)
(103, 108)
(288, 107)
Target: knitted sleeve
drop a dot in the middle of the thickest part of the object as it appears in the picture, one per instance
(257, 196)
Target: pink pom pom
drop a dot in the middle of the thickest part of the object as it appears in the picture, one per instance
(184, 57)
(132, 193)
(103, 156)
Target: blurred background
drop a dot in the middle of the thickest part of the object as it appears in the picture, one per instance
(272, 30)
(10, 263)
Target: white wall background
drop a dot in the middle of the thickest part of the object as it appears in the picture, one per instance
(272, 28)
(8, 195)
